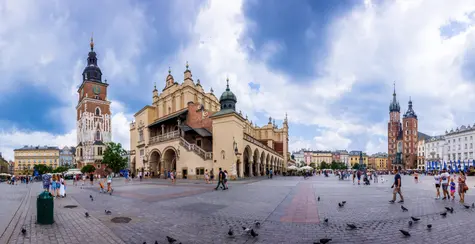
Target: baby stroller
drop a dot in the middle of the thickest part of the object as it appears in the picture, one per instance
(366, 180)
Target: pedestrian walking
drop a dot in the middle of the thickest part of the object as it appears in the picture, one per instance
(109, 183)
(397, 187)
(91, 178)
(206, 177)
(225, 179)
(221, 177)
(462, 186)
(444, 179)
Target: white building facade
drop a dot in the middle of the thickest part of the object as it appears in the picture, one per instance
(459, 143)
(434, 150)
(299, 156)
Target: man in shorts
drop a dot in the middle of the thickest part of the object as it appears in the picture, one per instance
(445, 179)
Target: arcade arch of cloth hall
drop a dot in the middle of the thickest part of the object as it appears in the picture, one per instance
(256, 161)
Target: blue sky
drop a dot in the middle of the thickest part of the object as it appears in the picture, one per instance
(329, 64)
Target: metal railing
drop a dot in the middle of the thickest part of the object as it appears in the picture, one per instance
(198, 150)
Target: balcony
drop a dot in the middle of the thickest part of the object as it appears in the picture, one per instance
(165, 137)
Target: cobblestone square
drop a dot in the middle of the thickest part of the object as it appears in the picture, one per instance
(287, 208)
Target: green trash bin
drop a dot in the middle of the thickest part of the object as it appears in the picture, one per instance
(45, 209)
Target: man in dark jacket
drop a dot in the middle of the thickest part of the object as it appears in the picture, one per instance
(221, 177)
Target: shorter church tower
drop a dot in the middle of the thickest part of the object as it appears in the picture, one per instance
(93, 114)
(409, 123)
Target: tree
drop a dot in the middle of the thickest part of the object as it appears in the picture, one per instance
(313, 165)
(88, 169)
(43, 169)
(324, 165)
(113, 157)
(355, 166)
(60, 169)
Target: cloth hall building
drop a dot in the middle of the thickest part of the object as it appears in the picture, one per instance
(188, 130)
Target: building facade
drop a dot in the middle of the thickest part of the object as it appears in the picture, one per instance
(29, 156)
(66, 157)
(402, 136)
(434, 150)
(342, 156)
(355, 158)
(4, 166)
(299, 156)
(318, 157)
(93, 115)
(459, 144)
(189, 130)
(378, 161)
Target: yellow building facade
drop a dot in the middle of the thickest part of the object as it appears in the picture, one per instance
(355, 159)
(322, 156)
(27, 156)
(381, 163)
(190, 131)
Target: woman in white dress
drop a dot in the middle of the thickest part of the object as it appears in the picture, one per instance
(62, 187)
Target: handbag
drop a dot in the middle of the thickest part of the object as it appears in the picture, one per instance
(465, 187)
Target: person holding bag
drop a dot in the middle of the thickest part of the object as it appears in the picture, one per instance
(462, 186)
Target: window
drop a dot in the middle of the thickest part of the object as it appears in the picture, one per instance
(198, 142)
(98, 112)
(465, 146)
(471, 155)
(200, 171)
(465, 138)
(407, 123)
(471, 145)
(448, 149)
(142, 153)
(98, 135)
(99, 151)
(448, 157)
(140, 135)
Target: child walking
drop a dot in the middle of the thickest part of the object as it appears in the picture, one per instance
(452, 188)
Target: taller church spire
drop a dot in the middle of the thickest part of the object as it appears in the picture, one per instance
(92, 72)
(394, 105)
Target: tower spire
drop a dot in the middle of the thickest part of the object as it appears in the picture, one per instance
(227, 83)
(92, 42)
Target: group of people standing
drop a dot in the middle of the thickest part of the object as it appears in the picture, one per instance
(54, 184)
(445, 180)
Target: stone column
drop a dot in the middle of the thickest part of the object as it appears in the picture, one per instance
(250, 168)
(258, 173)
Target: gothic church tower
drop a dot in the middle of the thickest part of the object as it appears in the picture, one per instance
(93, 114)
(394, 127)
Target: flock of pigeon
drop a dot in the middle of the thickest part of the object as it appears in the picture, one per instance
(429, 226)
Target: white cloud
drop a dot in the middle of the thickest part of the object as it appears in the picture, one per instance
(371, 45)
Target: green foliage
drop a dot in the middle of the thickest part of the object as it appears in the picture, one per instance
(88, 169)
(313, 165)
(337, 165)
(324, 165)
(355, 166)
(43, 169)
(113, 157)
(60, 169)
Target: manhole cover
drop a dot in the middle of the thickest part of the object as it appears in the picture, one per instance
(121, 220)
(70, 206)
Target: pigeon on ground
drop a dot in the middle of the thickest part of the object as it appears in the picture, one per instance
(451, 210)
(466, 206)
(405, 233)
(325, 220)
(318, 198)
(443, 214)
(156, 242)
(23, 231)
(90, 196)
(415, 219)
(404, 209)
(245, 229)
(410, 223)
(144, 242)
(351, 226)
(429, 226)
(448, 209)
(344, 202)
(340, 205)
(87, 214)
(325, 240)
(253, 233)
(170, 239)
(257, 224)
(230, 232)
(108, 212)
(473, 205)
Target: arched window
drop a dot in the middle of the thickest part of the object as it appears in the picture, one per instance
(98, 135)
(98, 112)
